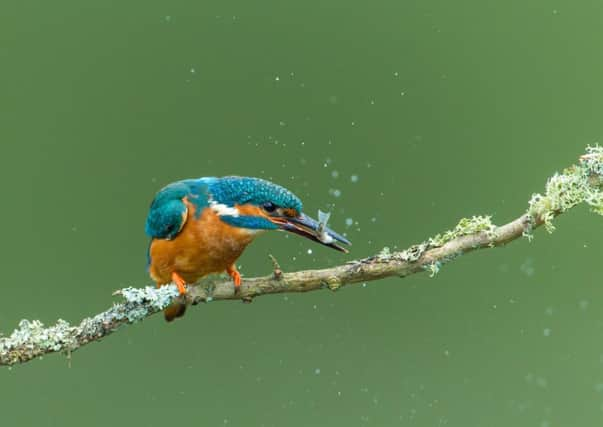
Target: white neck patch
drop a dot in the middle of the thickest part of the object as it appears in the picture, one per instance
(223, 210)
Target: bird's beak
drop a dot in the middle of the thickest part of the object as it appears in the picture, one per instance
(311, 229)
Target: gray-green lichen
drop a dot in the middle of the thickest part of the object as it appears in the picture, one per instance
(413, 253)
(384, 254)
(32, 339)
(433, 268)
(32, 335)
(563, 191)
(142, 302)
(592, 161)
(466, 226)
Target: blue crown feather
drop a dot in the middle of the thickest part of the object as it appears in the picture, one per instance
(231, 190)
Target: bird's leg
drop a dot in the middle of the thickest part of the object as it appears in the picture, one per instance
(180, 282)
(236, 276)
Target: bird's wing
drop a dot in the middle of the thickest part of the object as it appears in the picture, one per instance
(169, 211)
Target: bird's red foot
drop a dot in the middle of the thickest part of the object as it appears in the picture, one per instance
(236, 276)
(179, 281)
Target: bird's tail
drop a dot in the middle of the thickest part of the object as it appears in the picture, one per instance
(174, 310)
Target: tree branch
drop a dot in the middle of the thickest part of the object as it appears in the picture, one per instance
(581, 183)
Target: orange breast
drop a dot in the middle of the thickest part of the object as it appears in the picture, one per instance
(205, 245)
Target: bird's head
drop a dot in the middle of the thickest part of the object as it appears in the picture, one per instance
(257, 204)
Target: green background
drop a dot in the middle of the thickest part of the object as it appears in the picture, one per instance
(441, 109)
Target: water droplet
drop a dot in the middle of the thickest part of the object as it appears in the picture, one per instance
(354, 178)
(547, 332)
(309, 251)
(541, 382)
(335, 192)
(527, 267)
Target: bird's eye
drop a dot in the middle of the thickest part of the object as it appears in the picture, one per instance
(269, 207)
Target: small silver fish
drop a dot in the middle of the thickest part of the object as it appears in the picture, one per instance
(321, 234)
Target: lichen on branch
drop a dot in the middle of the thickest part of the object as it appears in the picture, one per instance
(465, 227)
(578, 184)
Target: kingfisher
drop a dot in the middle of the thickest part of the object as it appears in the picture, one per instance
(202, 226)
